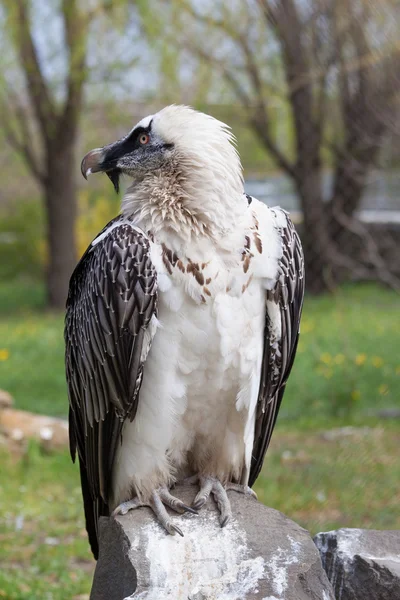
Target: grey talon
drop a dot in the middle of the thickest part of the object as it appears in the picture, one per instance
(176, 528)
(225, 521)
(189, 509)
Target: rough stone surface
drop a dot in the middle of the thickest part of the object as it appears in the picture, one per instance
(362, 564)
(261, 554)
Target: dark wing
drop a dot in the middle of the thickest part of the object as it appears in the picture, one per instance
(112, 298)
(279, 351)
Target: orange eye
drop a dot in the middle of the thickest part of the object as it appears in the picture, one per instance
(144, 139)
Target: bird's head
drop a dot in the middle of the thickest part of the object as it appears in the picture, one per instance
(178, 160)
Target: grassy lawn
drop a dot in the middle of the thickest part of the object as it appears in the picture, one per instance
(347, 370)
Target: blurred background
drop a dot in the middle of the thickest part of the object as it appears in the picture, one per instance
(311, 91)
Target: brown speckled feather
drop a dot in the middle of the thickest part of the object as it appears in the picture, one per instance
(112, 298)
(279, 354)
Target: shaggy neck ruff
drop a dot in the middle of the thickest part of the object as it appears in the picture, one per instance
(189, 196)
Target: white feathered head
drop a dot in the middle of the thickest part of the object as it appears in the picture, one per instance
(183, 165)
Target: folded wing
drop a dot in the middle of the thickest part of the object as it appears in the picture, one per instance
(111, 303)
(284, 305)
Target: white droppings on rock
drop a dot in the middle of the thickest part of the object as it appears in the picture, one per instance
(347, 542)
(277, 568)
(209, 562)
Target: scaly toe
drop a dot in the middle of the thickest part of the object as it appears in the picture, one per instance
(223, 503)
(163, 517)
(174, 503)
(206, 484)
(125, 507)
(241, 489)
(211, 485)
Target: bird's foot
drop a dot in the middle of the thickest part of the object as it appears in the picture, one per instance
(212, 485)
(157, 502)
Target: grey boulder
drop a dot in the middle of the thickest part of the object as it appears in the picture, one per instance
(261, 554)
(361, 564)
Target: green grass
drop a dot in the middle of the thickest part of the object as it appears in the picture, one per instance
(347, 365)
(346, 370)
(44, 553)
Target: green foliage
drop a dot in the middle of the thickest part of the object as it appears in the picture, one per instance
(22, 230)
(23, 247)
(347, 364)
(32, 360)
(329, 479)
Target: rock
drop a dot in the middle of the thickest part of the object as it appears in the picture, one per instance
(19, 425)
(261, 554)
(6, 400)
(361, 564)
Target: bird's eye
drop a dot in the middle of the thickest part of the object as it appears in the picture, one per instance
(144, 139)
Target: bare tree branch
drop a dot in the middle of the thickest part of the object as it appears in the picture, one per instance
(39, 93)
(21, 141)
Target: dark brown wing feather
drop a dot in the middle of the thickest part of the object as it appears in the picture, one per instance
(279, 353)
(112, 297)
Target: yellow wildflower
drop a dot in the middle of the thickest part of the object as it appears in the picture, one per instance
(383, 389)
(339, 359)
(326, 358)
(4, 354)
(377, 361)
(324, 371)
(397, 370)
(360, 359)
(306, 326)
(355, 395)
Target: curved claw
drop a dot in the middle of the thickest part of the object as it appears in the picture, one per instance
(125, 507)
(174, 528)
(224, 521)
(174, 502)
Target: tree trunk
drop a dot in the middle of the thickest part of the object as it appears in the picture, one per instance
(61, 208)
(315, 236)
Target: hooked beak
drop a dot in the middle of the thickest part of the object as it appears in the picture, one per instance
(91, 162)
(96, 161)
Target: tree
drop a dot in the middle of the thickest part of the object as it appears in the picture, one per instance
(56, 121)
(334, 64)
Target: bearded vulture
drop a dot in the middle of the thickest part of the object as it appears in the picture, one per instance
(181, 326)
